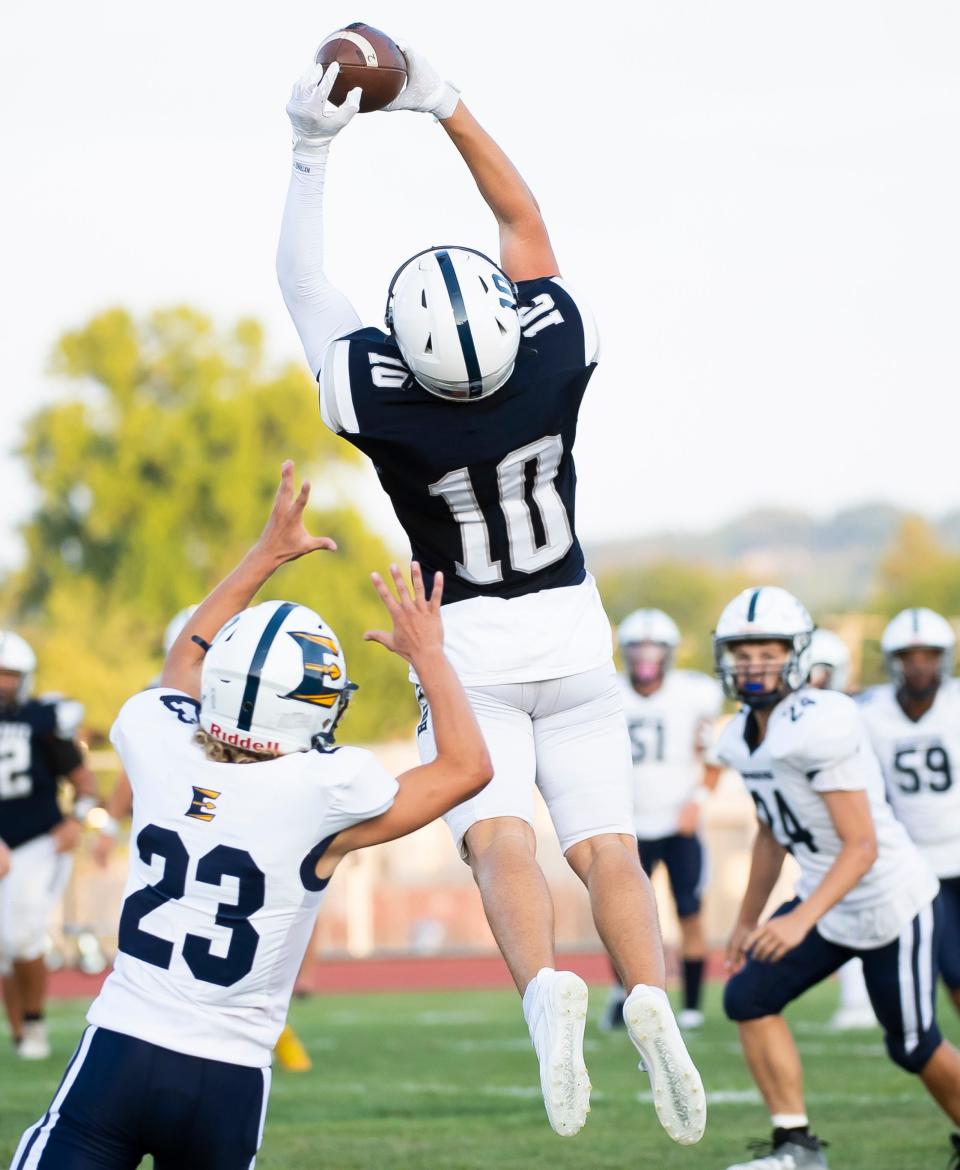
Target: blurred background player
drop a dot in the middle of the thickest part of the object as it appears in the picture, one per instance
(830, 671)
(289, 1051)
(914, 725)
(863, 887)
(670, 717)
(468, 408)
(242, 809)
(38, 749)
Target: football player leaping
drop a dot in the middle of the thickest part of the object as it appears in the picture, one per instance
(242, 808)
(863, 890)
(914, 725)
(670, 715)
(467, 407)
(38, 747)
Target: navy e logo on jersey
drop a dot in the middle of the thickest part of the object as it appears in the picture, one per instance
(202, 807)
(187, 710)
(320, 665)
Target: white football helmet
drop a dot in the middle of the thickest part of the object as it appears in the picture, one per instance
(274, 680)
(175, 627)
(918, 627)
(829, 650)
(648, 625)
(453, 314)
(763, 614)
(17, 654)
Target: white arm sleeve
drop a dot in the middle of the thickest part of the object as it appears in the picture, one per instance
(320, 312)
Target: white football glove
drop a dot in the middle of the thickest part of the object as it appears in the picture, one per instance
(425, 92)
(315, 119)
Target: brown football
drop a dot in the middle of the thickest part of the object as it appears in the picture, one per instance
(368, 58)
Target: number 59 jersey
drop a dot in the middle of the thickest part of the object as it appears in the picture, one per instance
(816, 743)
(221, 894)
(921, 767)
(485, 490)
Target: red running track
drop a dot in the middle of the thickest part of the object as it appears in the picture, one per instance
(403, 973)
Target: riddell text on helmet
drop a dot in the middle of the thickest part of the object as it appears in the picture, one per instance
(236, 740)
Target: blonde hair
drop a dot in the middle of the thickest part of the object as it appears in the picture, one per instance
(226, 753)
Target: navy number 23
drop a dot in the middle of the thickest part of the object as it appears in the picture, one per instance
(222, 861)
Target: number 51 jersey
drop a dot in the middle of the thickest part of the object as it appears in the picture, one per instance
(816, 743)
(485, 490)
(221, 894)
(921, 766)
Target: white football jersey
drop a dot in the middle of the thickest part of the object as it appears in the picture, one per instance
(816, 743)
(221, 894)
(669, 732)
(549, 634)
(921, 767)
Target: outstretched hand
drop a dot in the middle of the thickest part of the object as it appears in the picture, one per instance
(417, 627)
(285, 537)
(425, 92)
(314, 118)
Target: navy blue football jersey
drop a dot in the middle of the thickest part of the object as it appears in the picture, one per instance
(484, 490)
(33, 757)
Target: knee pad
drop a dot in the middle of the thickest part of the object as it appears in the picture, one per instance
(914, 1059)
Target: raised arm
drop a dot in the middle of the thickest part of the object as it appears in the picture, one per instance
(462, 766)
(283, 539)
(320, 311)
(525, 250)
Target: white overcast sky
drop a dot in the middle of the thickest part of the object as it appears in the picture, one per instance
(760, 199)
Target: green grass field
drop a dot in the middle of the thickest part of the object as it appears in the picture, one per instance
(447, 1081)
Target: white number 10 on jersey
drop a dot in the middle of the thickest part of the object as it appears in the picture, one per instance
(526, 556)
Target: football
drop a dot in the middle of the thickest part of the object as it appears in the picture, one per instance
(368, 58)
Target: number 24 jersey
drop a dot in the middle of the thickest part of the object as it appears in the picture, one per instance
(921, 767)
(485, 490)
(817, 743)
(221, 894)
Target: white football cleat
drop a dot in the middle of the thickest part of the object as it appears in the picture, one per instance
(34, 1044)
(556, 1019)
(690, 1019)
(678, 1095)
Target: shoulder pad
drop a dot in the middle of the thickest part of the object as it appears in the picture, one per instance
(818, 729)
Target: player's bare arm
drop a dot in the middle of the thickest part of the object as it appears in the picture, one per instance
(525, 249)
(66, 835)
(765, 866)
(462, 766)
(850, 814)
(284, 538)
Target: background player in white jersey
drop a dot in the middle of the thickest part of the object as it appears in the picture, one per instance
(830, 671)
(38, 748)
(863, 887)
(914, 726)
(242, 809)
(670, 716)
(468, 409)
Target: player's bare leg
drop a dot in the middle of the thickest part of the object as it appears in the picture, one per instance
(623, 906)
(14, 1007)
(625, 914)
(941, 1077)
(774, 1063)
(693, 951)
(955, 997)
(30, 977)
(519, 909)
(515, 895)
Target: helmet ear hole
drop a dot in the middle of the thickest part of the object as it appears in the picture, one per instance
(501, 327)
(483, 283)
(423, 298)
(428, 344)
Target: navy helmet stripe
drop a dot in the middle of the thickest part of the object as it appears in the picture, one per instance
(470, 360)
(752, 608)
(249, 700)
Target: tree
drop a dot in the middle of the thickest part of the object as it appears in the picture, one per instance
(917, 570)
(154, 478)
(692, 594)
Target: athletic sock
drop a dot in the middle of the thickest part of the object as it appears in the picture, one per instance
(528, 994)
(791, 1121)
(692, 983)
(32, 1017)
